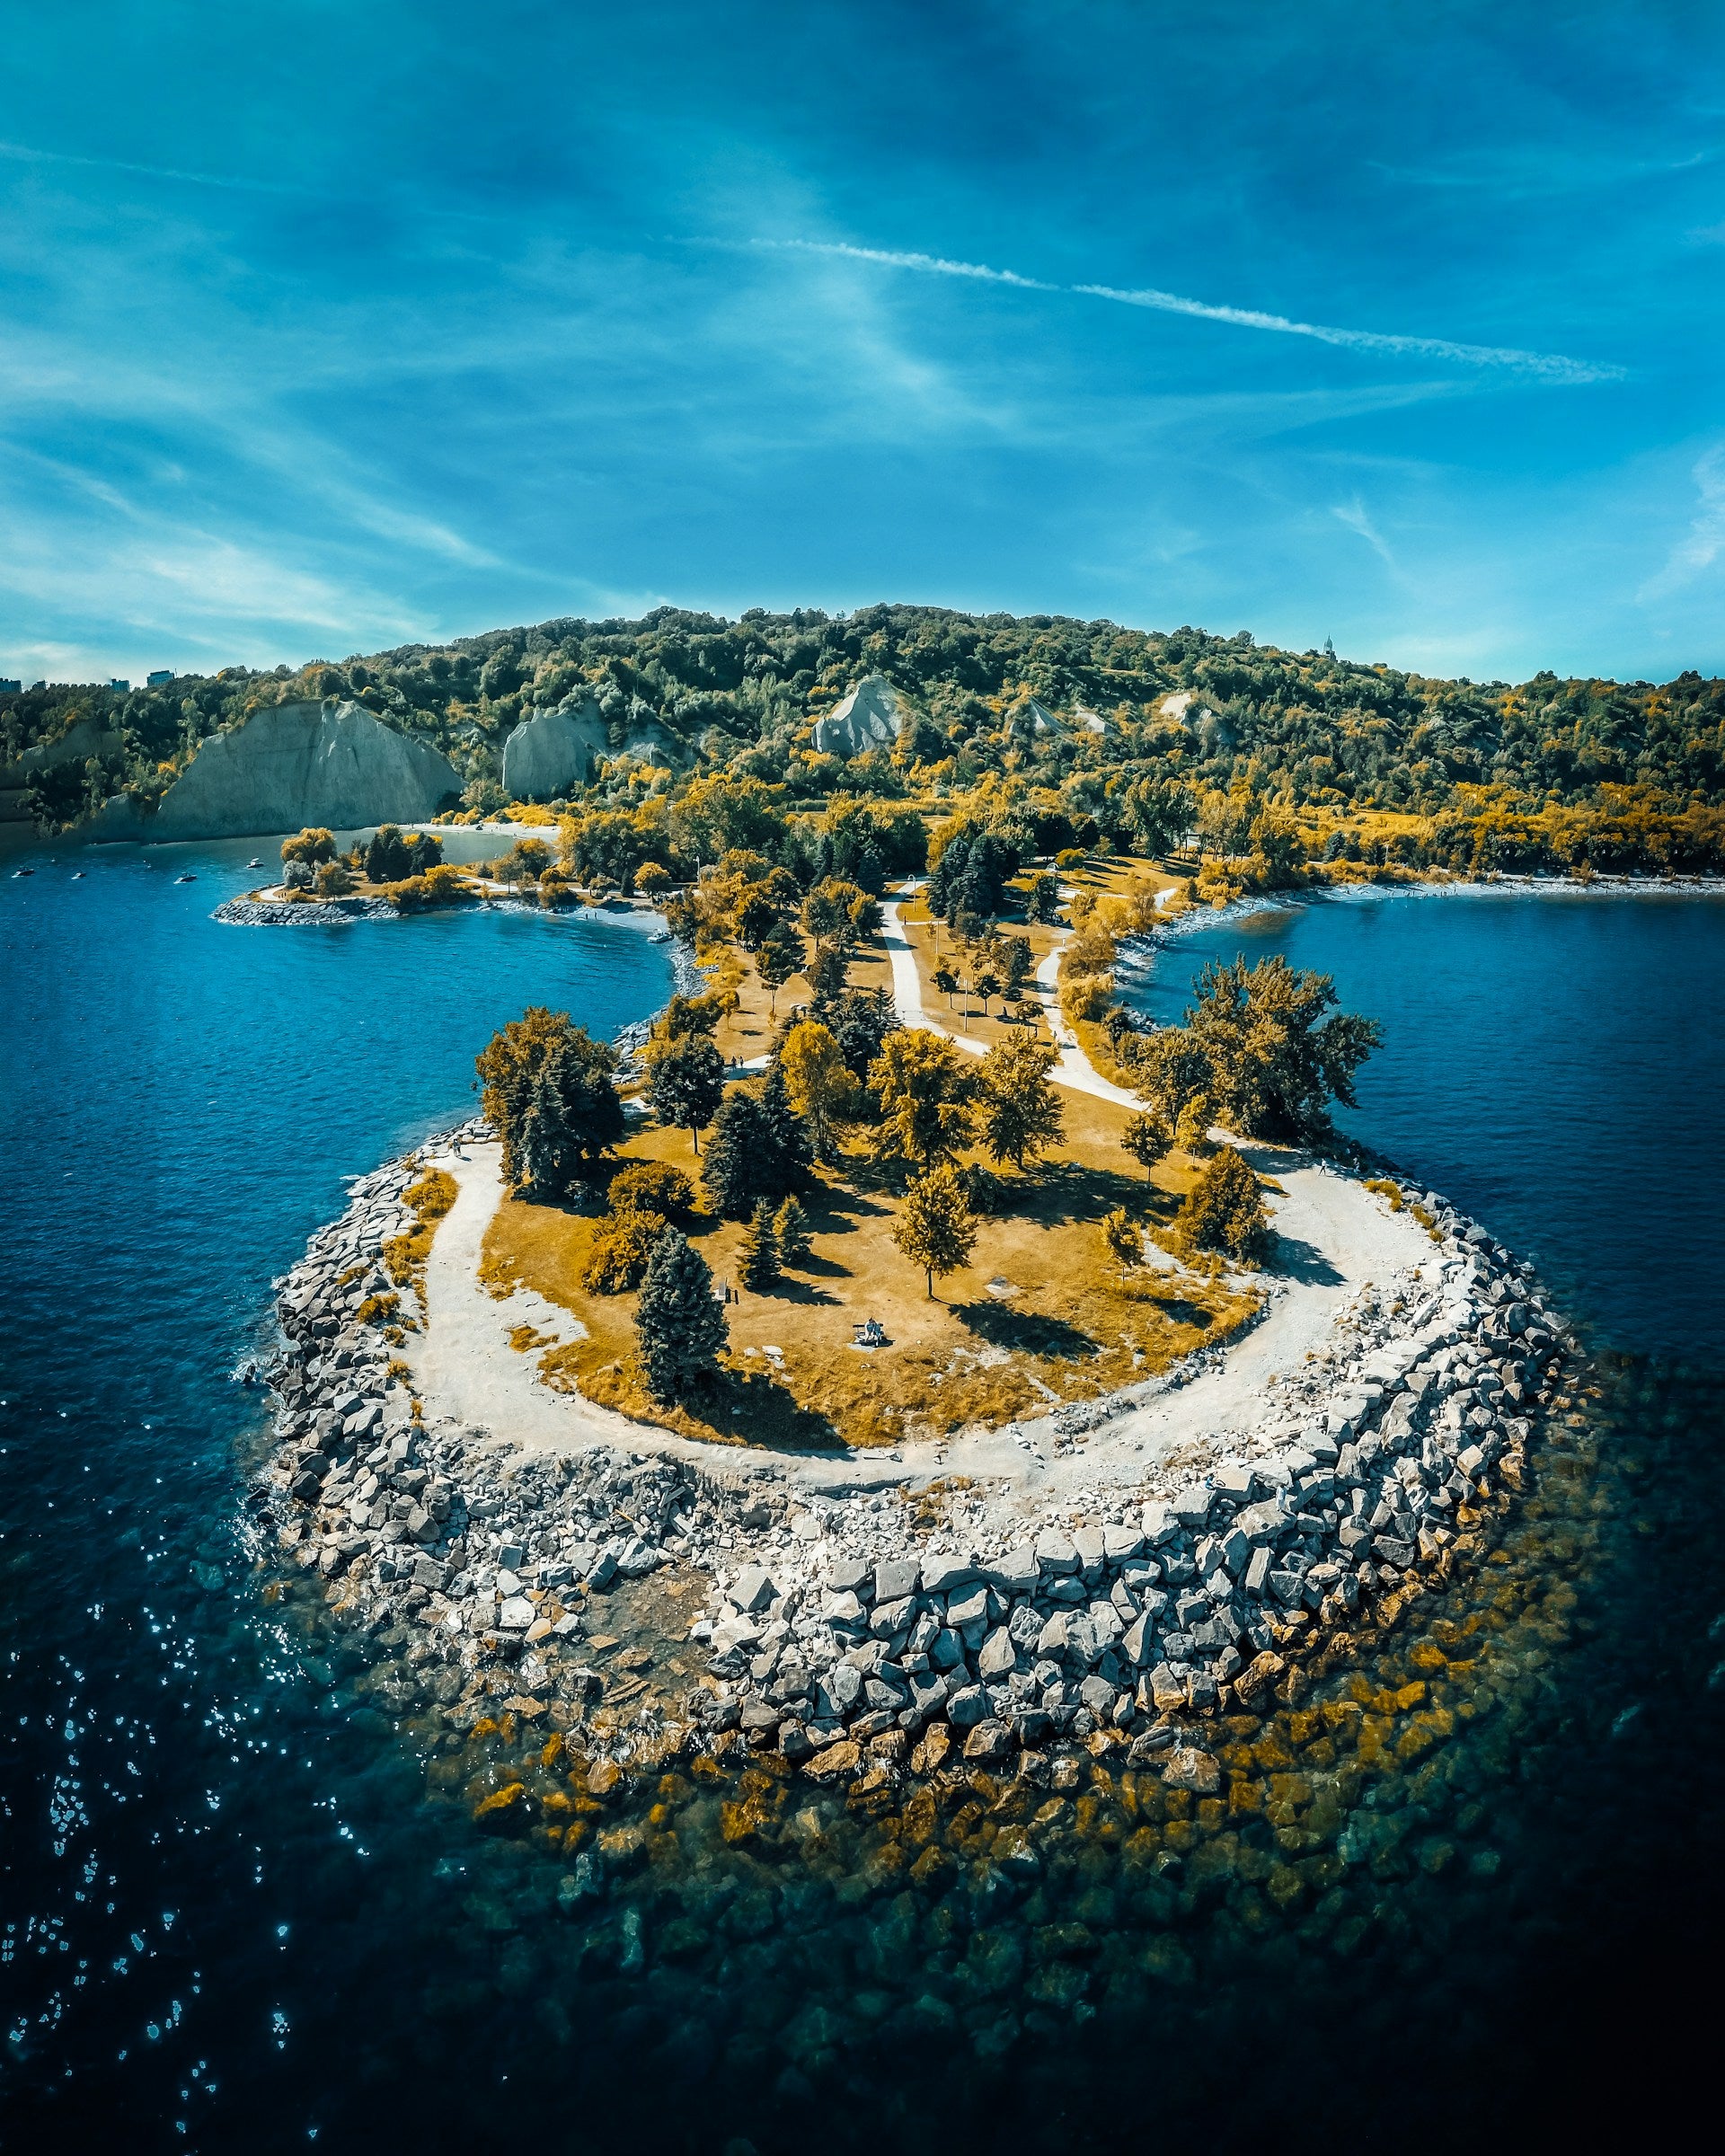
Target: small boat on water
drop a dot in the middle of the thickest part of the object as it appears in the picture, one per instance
(187, 878)
(255, 862)
(16, 873)
(77, 875)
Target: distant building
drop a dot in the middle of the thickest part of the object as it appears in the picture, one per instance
(121, 686)
(159, 679)
(11, 688)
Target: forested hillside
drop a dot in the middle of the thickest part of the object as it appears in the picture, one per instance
(1151, 725)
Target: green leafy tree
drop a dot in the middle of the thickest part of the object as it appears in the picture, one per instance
(838, 912)
(820, 1083)
(988, 984)
(759, 1260)
(791, 1225)
(757, 918)
(1224, 1210)
(1125, 1243)
(1160, 811)
(936, 1229)
(334, 880)
(1192, 1131)
(781, 956)
(310, 845)
(1148, 1138)
(679, 1328)
(860, 1022)
(1021, 1109)
(926, 1096)
(947, 982)
(1017, 960)
(687, 1085)
(1275, 1059)
(1170, 1067)
(1043, 902)
(572, 1138)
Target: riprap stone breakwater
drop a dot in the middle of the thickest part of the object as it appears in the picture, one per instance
(868, 1631)
(267, 913)
(329, 763)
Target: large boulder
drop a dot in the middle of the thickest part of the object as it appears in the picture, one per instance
(290, 766)
(553, 751)
(868, 718)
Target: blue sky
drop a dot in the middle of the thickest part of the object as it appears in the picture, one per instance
(331, 324)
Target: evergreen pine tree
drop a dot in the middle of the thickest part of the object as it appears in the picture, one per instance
(740, 1142)
(679, 1328)
(758, 1261)
(791, 1225)
(687, 1084)
(790, 1133)
(544, 1152)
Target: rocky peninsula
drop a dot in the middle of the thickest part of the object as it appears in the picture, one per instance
(867, 1616)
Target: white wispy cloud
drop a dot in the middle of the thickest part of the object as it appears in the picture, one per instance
(892, 258)
(22, 153)
(1704, 541)
(1355, 516)
(1550, 366)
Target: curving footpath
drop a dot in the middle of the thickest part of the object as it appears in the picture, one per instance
(1075, 1069)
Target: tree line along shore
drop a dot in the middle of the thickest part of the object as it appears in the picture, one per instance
(1060, 733)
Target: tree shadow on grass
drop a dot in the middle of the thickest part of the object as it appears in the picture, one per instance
(755, 1410)
(1178, 1311)
(1069, 1190)
(1025, 1331)
(784, 1289)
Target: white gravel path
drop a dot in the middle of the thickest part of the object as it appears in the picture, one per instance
(1338, 1238)
(1074, 1068)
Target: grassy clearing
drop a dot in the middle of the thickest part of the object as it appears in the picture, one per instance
(1043, 1315)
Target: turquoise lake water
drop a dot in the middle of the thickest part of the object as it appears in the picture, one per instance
(229, 1919)
(1552, 1063)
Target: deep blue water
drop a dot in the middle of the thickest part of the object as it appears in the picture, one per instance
(1553, 1062)
(223, 1900)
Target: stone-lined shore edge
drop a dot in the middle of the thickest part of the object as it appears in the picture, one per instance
(853, 1641)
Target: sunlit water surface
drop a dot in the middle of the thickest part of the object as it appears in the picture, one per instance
(1451, 1892)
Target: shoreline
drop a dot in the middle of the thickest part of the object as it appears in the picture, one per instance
(839, 1627)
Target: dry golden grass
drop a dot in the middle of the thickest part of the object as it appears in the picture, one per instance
(1039, 1316)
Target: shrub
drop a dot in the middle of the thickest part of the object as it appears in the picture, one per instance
(651, 1187)
(622, 1252)
(1224, 1210)
(651, 877)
